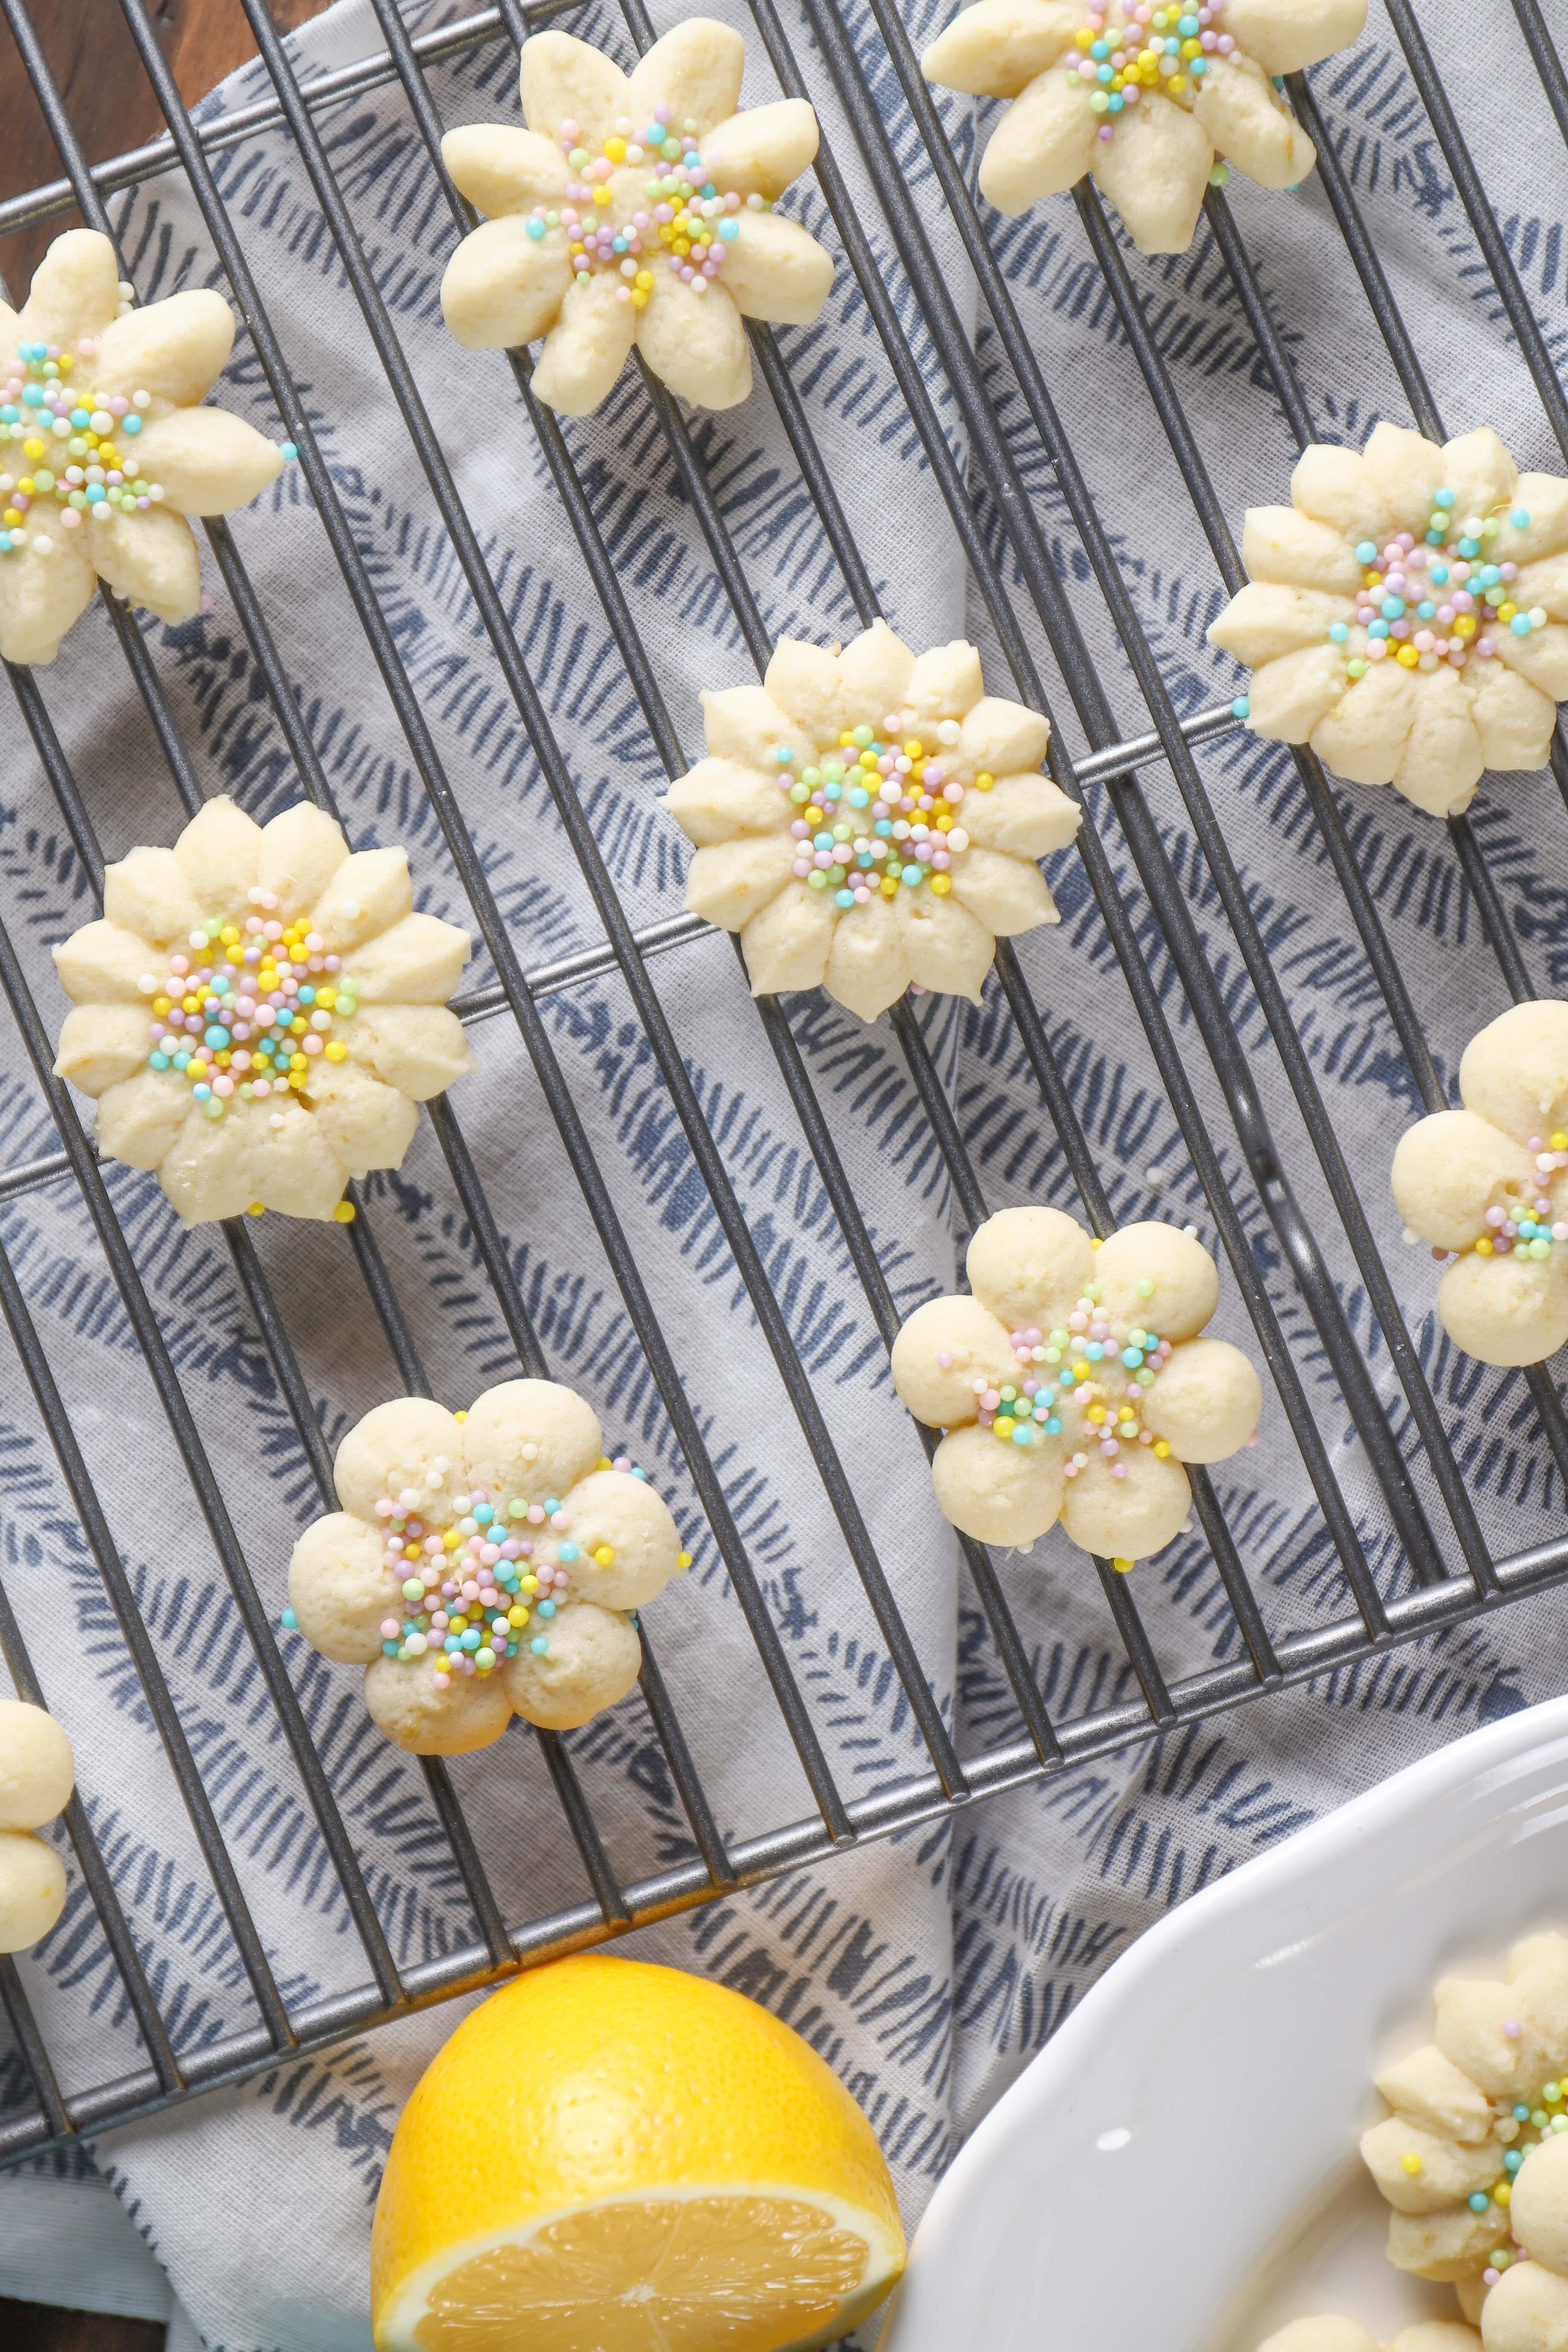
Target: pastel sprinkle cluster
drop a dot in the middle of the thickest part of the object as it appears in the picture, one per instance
(877, 813)
(245, 1012)
(1086, 1378)
(1531, 1232)
(1544, 2116)
(684, 213)
(1163, 48)
(40, 408)
(1439, 600)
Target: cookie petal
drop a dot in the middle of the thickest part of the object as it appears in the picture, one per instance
(996, 48)
(787, 942)
(75, 290)
(1363, 736)
(207, 461)
(149, 559)
(299, 852)
(502, 170)
(175, 350)
(1155, 170)
(42, 595)
(1041, 146)
(997, 1492)
(695, 70)
(775, 271)
(502, 288)
(592, 1658)
(758, 154)
(947, 949)
(1245, 122)
(529, 1438)
(101, 1044)
(867, 969)
(587, 348)
(418, 961)
(562, 80)
(695, 343)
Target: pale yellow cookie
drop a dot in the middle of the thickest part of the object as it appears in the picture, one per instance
(483, 1564)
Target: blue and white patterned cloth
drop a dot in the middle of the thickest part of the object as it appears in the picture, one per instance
(928, 1970)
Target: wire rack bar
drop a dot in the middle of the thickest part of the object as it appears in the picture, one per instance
(1263, 1660)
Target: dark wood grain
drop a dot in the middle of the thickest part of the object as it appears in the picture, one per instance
(109, 97)
(39, 2327)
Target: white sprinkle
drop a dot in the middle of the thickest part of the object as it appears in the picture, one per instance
(1191, 1231)
(147, 984)
(1155, 1178)
(351, 910)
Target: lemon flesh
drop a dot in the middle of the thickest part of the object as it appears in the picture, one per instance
(705, 2273)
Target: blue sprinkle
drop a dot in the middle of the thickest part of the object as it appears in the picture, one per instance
(636, 1474)
(96, 494)
(1053, 1427)
(289, 1622)
(728, 230)
(1023, 1433)
(1366, 552)
(288, 452)
(1377, 628)
(1393, 608)
(132, 424)
(389, 1649)
(1519, 518)
(547, 1607)
(202, 1093)
(157, 1061)
(844, 898)
(1425, 609)
(539, 1645)
(483, 1512)
(1338, 632)
(1520, 624)
(1442, 498)
(1241, 708)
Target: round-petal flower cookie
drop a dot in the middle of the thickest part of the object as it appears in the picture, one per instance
(1074, 1382)
(258, 1013)
(1473, 2156)
(105, 446)
(1489, 1184)
(484, 1564)
(38, 1774)
(634, 209)
(867, 817)
(1404, 614)
(1145, 97)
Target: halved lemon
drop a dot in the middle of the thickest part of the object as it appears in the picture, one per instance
(609, 2157)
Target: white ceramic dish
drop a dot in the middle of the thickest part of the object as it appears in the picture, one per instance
(1177, 2167)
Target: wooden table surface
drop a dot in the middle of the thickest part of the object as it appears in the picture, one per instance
(112, 106)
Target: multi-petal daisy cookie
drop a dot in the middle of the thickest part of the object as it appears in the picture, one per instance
(37, 1773)
(258, 1013)
(1473, 2156)
(1403, 612)
(105, 447)
(1073, 1384)
(634, 209)
(867, 817)
(484, 1564)
(1146, 97)
(1489, 1184)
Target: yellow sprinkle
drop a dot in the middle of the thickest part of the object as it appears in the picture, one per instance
(1004, 1424)
(940, 884)
(890, 889)
(460, 1416)
(337, 1051)
(1407, 657)
(1412, 2162)
(1502, 2193)
(1122, 1567)
(601, 194)
(410, 1550)
(683, 1559)
(451, 1539)
(343, 1214)
(1161, 1448)
(604, 1463)
(604, 1555)
(256, 1209)
(1483, 1249)
(985, 783)
(616, 148)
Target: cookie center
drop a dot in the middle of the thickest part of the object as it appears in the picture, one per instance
(877, 814)
(247, 1011)
(1438, 599)
(622, 221)
(1085, 1381)
(78, 447)
(470, 1592)
(1120, 53)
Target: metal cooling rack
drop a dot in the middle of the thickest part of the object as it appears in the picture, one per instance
(1444, 1571)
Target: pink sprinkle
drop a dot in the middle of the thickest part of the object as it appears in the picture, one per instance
(1119, 1469)
(536, 1515)
(442, 1680)
(1490, 2277)
(1511, 2028)
(991, 1400)
(390, 1629)
(1535, 1143)
(945, 1358)
(87, 347)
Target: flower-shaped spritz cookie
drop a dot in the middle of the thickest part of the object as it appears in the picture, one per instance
(1403, 612)
(105, 447)
(634, 209)
(1145, 97)
(37, 1776)
(258, 1013)
(866, 818)
(1073, 1384)
(1490, 1183)
(482, 1566)
(1474, 2155)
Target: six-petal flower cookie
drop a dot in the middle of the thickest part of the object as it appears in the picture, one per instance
(1490, 1183)
(1473, 2156)
(1404, 614)
(1073, 1384)
(258, 1011)
(634, 209)
(1145, 97)
(867, 817)
(106, 448)
(483, 1564)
